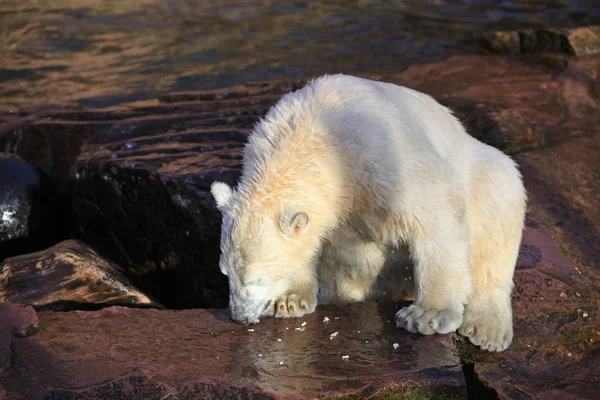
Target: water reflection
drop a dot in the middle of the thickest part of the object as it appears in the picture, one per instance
(280, 359)
(101, 53)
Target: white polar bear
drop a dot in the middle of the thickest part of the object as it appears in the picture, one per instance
(341, 174)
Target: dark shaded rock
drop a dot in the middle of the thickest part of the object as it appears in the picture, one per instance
(30, 215)
(575, 41)
(66, 276)
(17, 320)
(202, 354)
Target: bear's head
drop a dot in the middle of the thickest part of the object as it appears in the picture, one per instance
(265, 251)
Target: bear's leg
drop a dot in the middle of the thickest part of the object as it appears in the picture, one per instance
(443, 281)
(348, 268)
(495, 242)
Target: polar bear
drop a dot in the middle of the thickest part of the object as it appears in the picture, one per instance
(346, 171)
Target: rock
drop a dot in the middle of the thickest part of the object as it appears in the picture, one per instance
(139, 181)
(202, 354)
(571, 41)
(556, 301)
(29, 208)
(66, 276)
(138, 178)
(17, 320)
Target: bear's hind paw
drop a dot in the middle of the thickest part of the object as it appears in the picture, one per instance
(490, 333)
(416, 319)
(293, 306)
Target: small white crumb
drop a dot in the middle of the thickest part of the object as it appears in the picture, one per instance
(326, 319)
(568, 354)
(287, 328)
(337, 318)
(217, 358)
(357, 331)
(260, 355)
(584, 314)
(388, 320)
(577, 269)
(301, 329)
(396, 345)
(334, 334)
(303, 324)
(345, 357)
(250, 330)
(279, 340)
(366, 341)
(280, 362)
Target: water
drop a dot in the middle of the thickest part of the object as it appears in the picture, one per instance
(105, 52)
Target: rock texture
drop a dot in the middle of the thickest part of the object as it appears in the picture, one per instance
(202, 354)
(17, 320)
(575, 41)
(69, 274)
(139, 180)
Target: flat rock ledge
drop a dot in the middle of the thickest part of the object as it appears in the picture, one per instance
(120, 352)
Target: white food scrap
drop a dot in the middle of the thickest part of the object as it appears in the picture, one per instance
(334, 334)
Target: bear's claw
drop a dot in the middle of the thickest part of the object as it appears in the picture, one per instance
(293, 306)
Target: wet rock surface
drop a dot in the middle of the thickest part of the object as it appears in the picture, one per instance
(65, 276)
(139, 180)
(202, 354)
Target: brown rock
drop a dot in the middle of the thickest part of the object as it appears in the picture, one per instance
(571, 41)
(202, 354)
(556, 350)
(69, 274)
(140, 177)
(17, 320)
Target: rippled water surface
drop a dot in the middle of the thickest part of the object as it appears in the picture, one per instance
(105, 52)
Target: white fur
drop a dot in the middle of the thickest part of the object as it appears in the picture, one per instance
(376, 167)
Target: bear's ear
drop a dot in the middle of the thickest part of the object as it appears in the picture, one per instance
(222, 193)
(294, 223)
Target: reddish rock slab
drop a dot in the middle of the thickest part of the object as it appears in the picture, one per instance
(154, 354)
(15, 320)
(556, 350)
(556, 347)
(66, 276)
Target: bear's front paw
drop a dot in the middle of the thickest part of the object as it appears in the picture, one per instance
(294, 306)
(426, 321)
